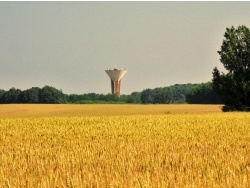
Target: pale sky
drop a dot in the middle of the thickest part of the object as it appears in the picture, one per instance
(68, 45)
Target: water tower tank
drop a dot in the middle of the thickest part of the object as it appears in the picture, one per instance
(115, 77)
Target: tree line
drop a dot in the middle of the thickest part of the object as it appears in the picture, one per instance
(178, 93)
(47, 94)
(181, 93)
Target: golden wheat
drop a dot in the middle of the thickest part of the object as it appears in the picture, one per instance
(62, 110)
(170, 150)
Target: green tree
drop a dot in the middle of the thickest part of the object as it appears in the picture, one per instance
(146, 96)
(1, 95)
(203, 94)
(234, 86)
(112, 97)
(161, 98)
(178, 92)
(30, 95)
(135, 97)
(11, 96)
(51, 95)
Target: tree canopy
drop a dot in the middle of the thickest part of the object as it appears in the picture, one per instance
(203, 94)
(165, 95)
(234, 86)
(51, 95)
(178, 93)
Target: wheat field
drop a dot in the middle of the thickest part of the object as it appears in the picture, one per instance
(69, 110)
(123, 146)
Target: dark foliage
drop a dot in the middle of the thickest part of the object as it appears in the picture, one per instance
(203, 94)
(165, 95)
(173, 94)
(51, 95)
(234, 86)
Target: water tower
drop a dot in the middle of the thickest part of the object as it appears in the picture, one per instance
(115, 77)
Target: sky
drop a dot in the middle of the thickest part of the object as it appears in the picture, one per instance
(68, 45)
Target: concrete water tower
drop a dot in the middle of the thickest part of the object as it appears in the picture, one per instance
(115, 77)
